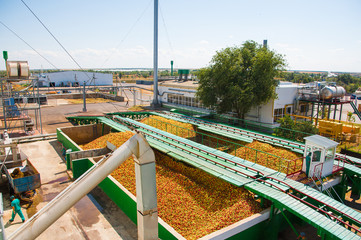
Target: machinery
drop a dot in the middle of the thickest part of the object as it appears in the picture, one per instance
(330, 92)
(147, 213)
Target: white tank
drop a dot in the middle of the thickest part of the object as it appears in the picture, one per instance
(329, 92)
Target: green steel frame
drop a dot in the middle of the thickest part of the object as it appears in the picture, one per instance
(311, 200)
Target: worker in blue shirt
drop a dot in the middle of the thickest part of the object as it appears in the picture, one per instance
(15, 204)
(308, 163)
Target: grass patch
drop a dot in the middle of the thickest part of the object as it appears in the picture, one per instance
(89, 100)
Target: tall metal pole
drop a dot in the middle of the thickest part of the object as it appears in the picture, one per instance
(41, 125)
(84, 98)
(155, 54)
(3, 103)
(5, 55)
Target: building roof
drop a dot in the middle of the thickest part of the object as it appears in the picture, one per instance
(321, 141)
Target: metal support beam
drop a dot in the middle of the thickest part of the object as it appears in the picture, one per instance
(329, 112)
(3, 103)
(334, 112)
(340, 112)
(318, 110)
(41, 125)
(84, 98)
(289, 222)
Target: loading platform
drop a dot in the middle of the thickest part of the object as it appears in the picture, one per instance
(329, 216)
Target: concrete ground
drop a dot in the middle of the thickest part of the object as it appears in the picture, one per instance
(54, 114)
(95, 216)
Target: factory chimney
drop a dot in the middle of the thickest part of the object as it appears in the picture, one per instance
(265, 43)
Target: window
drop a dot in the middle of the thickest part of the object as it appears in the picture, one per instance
(330, 154)
(303, 108)
(316, 157)
(278, 113)
(182, 100)
(288, 110)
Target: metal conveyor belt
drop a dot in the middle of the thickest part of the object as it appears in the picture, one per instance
(322, 213)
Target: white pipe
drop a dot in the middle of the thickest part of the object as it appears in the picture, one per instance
(136, 145)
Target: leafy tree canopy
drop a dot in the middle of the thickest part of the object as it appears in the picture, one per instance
(294, 130)
(240, 78)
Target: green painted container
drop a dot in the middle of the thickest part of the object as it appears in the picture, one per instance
(249, 228)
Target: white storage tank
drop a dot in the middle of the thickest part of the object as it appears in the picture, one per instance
(329, 92)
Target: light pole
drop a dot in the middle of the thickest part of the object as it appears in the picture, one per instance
(155, 56)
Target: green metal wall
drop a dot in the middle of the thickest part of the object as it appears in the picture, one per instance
(129, 207)
(117, 195)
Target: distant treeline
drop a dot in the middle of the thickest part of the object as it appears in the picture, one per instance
(349, 82)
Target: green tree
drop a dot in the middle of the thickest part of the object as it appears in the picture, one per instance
(240, 78)
(294, 130)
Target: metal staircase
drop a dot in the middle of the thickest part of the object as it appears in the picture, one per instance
(356, 111)
(319, 184)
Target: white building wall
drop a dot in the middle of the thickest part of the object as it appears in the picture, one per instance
(287, 93)
(68, 78)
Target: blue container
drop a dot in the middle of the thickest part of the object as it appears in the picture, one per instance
(25, 183)
(9, 102)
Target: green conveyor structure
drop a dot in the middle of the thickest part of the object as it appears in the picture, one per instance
(317, 209)
(95, 119)
(329, 216)
(234, 132)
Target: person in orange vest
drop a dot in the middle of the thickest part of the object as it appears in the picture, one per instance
(15, 204)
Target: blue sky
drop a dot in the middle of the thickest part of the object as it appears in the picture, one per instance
(311, 34)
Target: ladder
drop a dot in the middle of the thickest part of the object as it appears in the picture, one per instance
(322, 188)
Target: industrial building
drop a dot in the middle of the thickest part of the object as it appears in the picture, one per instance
(299, 100)
(184, 94)
(75, 79)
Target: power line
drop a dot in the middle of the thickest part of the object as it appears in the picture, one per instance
(54, 37)
(90, 79)
(166, 32)
(130, 30)
(29, 45)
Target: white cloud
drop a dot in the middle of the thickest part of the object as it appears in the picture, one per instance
(283, 47)
(337, 50)
(204, 42)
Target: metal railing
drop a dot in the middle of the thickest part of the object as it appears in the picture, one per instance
(237, 149)
(265, 128)
(318, 175)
